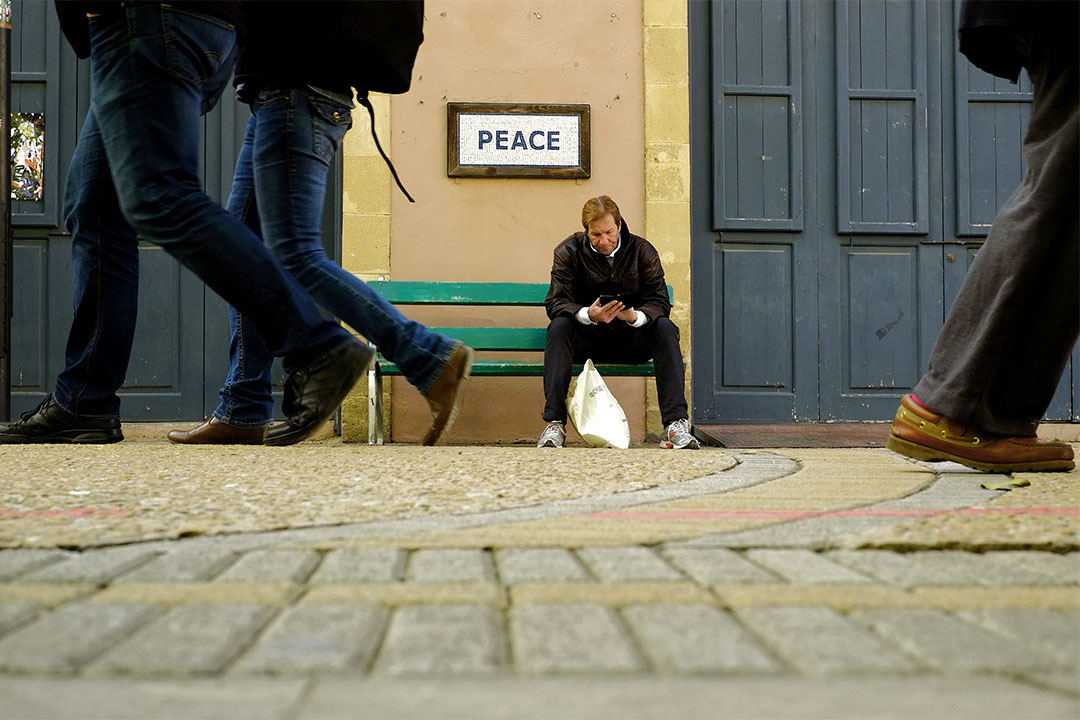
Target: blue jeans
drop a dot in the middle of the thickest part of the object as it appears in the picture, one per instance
(155, 71)
(278, 190)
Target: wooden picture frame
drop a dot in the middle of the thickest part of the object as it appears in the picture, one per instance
(517, 140)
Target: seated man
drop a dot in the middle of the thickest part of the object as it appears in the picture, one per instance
(608, 301)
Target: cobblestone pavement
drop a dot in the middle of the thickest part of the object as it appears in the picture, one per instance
(791, 584)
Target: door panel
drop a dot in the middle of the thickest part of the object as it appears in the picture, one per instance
(757, 321)
(991, 118)
(881, 117)
(757, 116)
(881, 332)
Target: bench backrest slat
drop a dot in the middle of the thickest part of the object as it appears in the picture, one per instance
(407, 292)
(498, 338)
(418, 292)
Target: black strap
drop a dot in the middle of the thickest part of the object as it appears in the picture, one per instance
(363, 100)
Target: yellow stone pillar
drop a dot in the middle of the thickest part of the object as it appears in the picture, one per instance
(365, 235)
(667, 165)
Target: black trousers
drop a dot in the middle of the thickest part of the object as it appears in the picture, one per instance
(569, 342)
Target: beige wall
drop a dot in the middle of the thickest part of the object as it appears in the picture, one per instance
(551, 51)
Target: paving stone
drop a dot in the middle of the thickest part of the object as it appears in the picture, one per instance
(990, 570)
(966, 598)
(450, 565)
(169, 594)
(710, 566)
(697, 639)
(14, 614)
(98, 566)
(63, 640)
(686, 698)
(272, 565)
(47, 594)
(820, 641)
(919, 569)
(1061, 682)
(395, 594)
(192, 639)
(1054, 633)
(838, 596)
(311, 638)
(32, 698)
(1052, 568)
(571, 638)
(185, 564)
(627, 563)
(443, 640)
(614, 594)
(538, 564)
(805, 567)
(16, 562)
(1002, 568)
(361, 565)
(948, 642)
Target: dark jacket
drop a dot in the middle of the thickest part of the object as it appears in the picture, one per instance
(76, 29)
(331, 44)
(579, 275)
(293, 45)
(988, 30)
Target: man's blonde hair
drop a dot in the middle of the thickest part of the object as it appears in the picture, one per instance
(597, 208)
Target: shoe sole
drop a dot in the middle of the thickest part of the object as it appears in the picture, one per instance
(455, 402)
(358, 370)
(82, 437)
(929, 454)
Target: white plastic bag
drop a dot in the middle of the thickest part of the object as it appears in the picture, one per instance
(594, 411)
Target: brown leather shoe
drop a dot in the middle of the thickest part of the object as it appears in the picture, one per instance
(215, 432)
(444, 397)
(921, 434)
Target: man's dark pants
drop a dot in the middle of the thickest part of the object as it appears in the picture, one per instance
(569, 342)
(1009, 334)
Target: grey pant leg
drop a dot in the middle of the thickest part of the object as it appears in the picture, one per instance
(1009, 335)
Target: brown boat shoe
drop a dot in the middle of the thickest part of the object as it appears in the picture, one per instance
(924, 435)
(444, 397)
(215, 432)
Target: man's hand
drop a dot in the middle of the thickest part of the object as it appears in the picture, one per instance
(606, 313)
(613, 310)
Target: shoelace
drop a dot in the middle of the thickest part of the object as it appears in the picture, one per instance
(362, 98)
(41, 406)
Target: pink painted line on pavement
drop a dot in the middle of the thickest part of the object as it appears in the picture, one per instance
(72, 513)
(802, 514)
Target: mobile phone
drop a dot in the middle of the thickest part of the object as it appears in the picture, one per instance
(605, 299)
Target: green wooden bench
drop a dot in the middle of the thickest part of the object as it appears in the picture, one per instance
(504, 340)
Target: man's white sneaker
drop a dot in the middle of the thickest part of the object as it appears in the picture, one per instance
(554, 435)
(678, 437)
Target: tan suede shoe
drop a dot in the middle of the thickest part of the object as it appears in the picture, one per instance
(921, 434)
(215, 432)
(444, 397)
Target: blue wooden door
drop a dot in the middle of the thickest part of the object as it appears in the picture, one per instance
(847, 162)
(180, 355)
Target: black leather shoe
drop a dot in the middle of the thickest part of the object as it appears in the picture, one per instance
(215, 432)
(50, 423)
(315, 391)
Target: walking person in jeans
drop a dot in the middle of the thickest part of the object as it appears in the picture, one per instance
(300, 93)
(155, 70)
(999, 357)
